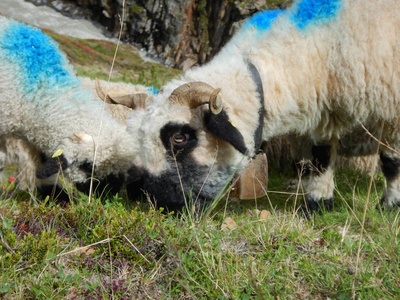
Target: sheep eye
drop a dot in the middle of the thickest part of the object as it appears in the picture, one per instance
(179, 139)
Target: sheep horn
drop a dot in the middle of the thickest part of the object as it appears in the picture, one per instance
(131, 100)
(194, 94)
(99, 90)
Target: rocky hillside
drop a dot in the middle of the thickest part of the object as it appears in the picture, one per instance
(181, 33)
(94, 58)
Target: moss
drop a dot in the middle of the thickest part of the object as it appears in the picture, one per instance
(136, 10)
(201, 30)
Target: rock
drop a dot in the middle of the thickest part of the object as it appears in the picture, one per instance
(179, 32)
(228, 224)
(264, 214)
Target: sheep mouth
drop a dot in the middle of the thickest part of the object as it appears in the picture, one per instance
(109, 185)
(165, 191)
(190, 187)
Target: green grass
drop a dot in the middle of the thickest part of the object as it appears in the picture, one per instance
(114, 249)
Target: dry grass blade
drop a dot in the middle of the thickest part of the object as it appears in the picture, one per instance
(84, 247)
(136, 249)
(104, 102)
(371, 180)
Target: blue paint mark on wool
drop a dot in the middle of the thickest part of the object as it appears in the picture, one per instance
(309, 12)
(303, 14)
(152, 90)
(38, 56)
(263, 20)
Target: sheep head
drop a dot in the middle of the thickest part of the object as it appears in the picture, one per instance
(77, 163)
(190, 145)
(195, 94)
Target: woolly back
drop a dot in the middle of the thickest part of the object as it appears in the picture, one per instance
(303, 14)
(35, 58)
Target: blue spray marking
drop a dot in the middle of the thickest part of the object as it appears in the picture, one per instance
(263, 20)
(309, 12)
(38, 56)
(303, 14)
(152, 90)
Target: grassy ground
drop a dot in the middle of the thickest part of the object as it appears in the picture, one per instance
(115, 249)
(111, 248)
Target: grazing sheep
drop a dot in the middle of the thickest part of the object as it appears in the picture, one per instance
(45, 107)
(323, 69)
(28, 159)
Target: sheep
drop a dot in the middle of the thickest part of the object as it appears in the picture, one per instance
(323, 69)
(46, 110)
(27, 158)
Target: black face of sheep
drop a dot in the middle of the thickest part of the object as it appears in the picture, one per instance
(111, 183)
(182, 146)
(56, 193)
(178, 140)
(191, 192)
(134, 184)
(185, 159)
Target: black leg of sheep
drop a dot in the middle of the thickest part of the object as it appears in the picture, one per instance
(320, 186)
(391, 171)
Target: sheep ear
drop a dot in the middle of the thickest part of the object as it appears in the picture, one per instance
(252, 180)
(83, 137)
(52, 166)
(220, 125)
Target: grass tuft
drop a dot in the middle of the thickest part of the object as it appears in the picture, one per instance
(113, 249)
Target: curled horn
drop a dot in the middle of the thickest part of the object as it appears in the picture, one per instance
(131, 100)
(194, 94)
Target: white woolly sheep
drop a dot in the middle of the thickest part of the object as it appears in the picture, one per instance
(46, 107)
(28, 159)
(323, 69)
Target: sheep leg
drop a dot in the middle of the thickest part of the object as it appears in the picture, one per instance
(300, 150)
(320, 186)
(391, 171)
(26, 157)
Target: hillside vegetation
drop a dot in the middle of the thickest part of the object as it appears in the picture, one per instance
(94, 59)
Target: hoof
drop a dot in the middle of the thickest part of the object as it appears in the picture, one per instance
(384, 204)
(319, 206)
